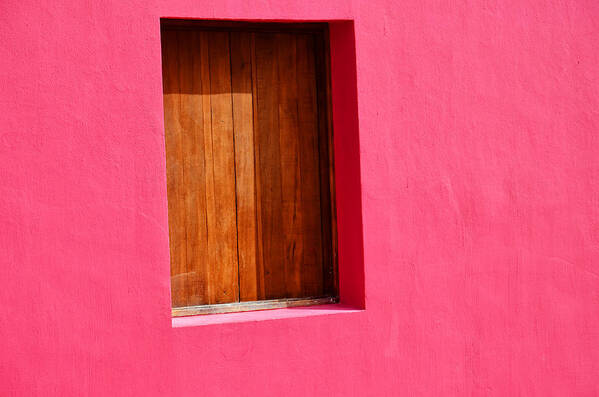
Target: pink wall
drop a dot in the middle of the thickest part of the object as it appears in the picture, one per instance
(478, 154)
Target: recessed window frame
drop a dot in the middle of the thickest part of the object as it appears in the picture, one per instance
(325, 122)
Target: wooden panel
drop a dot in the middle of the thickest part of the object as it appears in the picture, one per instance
(287, 131)
(243, 121)
(327, 180)
(290, 162)
(268, 165)
(223, 247)
(260, 269)
(174, 160)
(192, 156)
(312, 266)
(249, 165)
(200, 167)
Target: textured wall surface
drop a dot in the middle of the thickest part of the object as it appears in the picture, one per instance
(479, 163)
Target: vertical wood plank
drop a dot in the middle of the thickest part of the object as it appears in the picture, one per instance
(290, 162)
(260, 288)
(192, 136)
(174, 160)
(209, 181)
(268, 143)
(223, 245)
(327, 190)
(312, 265)
(327, 111)
(243, 129)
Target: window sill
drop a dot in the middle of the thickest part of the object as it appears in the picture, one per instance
(235, 307)
(263, 315)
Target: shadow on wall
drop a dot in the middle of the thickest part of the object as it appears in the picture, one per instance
(347, 163)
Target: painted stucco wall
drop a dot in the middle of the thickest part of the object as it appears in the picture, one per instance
(479, 163)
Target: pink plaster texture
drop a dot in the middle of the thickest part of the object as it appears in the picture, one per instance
(467, 144)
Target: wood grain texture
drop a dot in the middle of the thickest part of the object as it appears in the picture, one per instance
(253, 305)
(200, 167)
(312, 266)
(260, 269)
(249, 165)
(174, 160)
(192, 154)
(268, 165)
(224, 267)
(327, 165)
(243, 127)
(290, 162)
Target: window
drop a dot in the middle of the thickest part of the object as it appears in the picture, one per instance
(251, 203)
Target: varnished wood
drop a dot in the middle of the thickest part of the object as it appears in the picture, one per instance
(174, 160)
(326, 156)
(249, 163)
(268, 164)
(312, 265)
(224, 267)
(260, 280)
(243, 115)
(192, 152)
(289, 163)
(200, 167)
(332, 274)
(251, 306)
